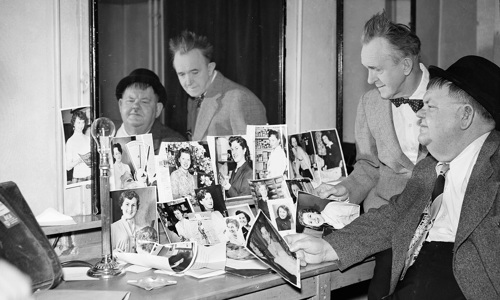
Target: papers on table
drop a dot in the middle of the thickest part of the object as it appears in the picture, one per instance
(51, 217)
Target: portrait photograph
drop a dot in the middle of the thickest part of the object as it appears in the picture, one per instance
(132, 209)
(133, 162)
(329, 155)
(271, 151)
(233, 232)
(233, 164)
(189, 168)
(283, 215)
(265, 243)
(316, 214)
(264, 190)
(77, 145)
(180, 255)
(174, 217)
(245, 215)
(302, 159)
(296, 185)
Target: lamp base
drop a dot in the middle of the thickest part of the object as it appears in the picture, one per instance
(106, 268)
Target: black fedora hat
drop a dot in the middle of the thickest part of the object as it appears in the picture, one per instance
(142, 76)
(477, 76)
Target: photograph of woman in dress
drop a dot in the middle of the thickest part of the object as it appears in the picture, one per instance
(233, 233)
(78, 148)
(132, 209)
(301, 164)
(121, 171)
(245, 221)
(237, 184)
(277, 164)
(182, 181)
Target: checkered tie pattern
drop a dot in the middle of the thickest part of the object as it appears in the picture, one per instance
(427, 218)
(415, 104)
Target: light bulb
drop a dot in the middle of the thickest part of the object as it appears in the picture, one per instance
(103, 130)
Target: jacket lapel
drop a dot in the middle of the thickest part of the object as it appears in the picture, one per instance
(481, 190)
(208, 108)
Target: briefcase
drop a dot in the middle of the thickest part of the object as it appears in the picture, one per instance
(22, 241)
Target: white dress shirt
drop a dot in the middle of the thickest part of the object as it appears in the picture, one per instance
(446, 223)
(405, 120)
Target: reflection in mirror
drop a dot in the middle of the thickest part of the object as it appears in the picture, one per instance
(248, 49)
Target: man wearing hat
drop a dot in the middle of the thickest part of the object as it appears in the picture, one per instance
(141, 98)
(444, 228)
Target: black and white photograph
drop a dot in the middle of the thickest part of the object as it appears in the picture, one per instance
(189, 167)
(266, 190)
(329, 155)
(267, 245)
(296, 185)
(76, 131)
(174, 217)
(133, 163)
(233, 164)
(302, 159)
(271, 151)
(132, 210)
(245, 215)
(283, 215)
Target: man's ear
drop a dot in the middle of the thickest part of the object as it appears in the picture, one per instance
(407, 65)
(211, 68)
(467, 116)
(159, 108)
(120, 102)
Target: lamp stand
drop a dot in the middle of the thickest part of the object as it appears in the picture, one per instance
(107, 267)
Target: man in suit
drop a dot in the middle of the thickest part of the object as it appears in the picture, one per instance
(141, 99)
(217, 105)
(386, 135)
(460, 258)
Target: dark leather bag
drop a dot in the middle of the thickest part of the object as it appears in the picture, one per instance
(22, 241)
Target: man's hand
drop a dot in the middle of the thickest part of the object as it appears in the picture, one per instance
(310, 250)
(14, 285)
(335, 192)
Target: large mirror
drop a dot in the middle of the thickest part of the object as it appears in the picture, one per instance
(247, 36)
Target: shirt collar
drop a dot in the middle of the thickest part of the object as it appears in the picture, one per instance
(462, 165)
(422, 87)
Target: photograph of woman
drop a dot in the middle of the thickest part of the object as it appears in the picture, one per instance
(245, 221)
(78, 148)
(233, 233)
(284, 218)
(277, 165)
(182, 181)
(301, 163)
(237, 184)
(262, 196)
(271, 245)
(132, 209)
(121, 171)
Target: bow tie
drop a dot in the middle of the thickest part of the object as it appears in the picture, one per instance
(198, 100)
(415, 104)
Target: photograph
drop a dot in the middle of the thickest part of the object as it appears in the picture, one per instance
(133, 163)
(234, 231)
(189, 167)
(302, 159)
(233, 164)
(244, 214)
(271, 151)
(77, 155)
(264, 190)
(296, 185)
(132, 210)
(316, 214)
(267, 245)
(329, 155)
(180, 255)
(283, 215)
(173, 216)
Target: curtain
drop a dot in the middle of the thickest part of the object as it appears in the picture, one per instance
(246, 35)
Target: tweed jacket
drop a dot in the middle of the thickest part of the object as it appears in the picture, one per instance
(382, 169)
(476, 252)
(227, 109)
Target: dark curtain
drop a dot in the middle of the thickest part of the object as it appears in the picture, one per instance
(246, 35)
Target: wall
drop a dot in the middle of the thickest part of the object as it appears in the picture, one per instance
(44, 63)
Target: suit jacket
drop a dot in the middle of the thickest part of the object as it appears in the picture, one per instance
(239, 181)
(476, 251)
(382, 169)
(227, 109)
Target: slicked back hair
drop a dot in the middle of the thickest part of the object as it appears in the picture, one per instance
(188, 41)
(399, 36)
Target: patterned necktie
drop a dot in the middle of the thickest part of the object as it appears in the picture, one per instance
(415, 104)
(426, 219)
(198, 100)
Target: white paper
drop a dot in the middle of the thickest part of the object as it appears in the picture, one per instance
(76, 273)
(51, 217)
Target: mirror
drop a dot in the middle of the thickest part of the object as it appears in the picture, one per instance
(248, 39)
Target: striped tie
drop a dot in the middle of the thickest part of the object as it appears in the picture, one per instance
(427, 218)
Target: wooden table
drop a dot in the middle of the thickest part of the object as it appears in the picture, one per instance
(317, 282)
